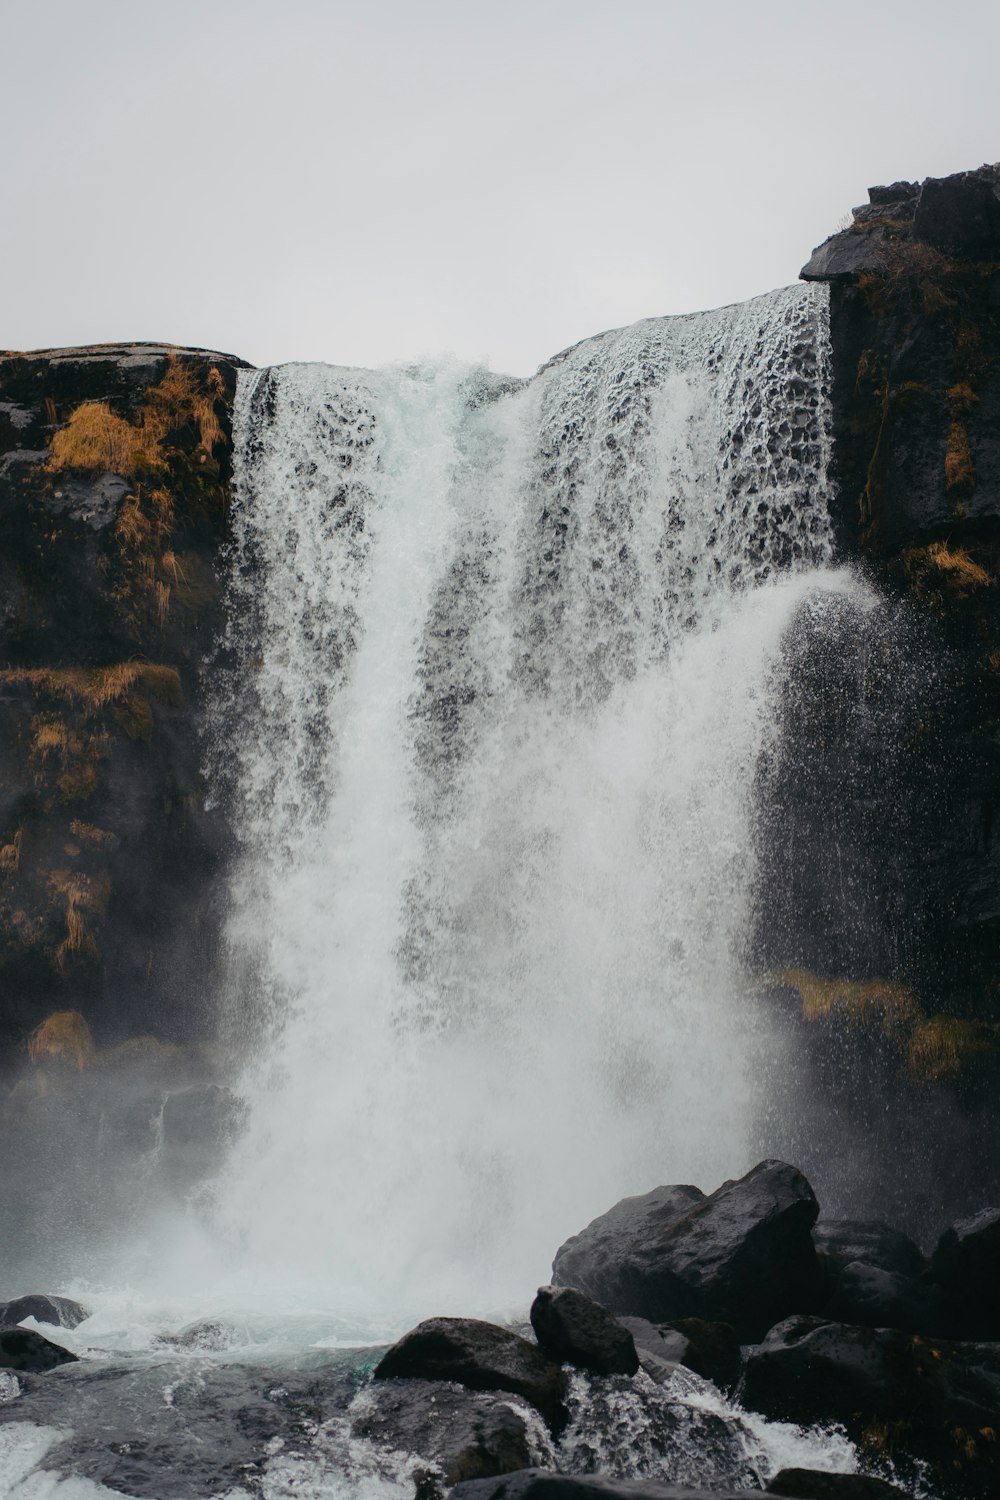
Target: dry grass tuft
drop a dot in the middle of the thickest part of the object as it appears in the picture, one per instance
(94, 688)
(95, 438)
(933, 299)
(82, 896)
(940, 570)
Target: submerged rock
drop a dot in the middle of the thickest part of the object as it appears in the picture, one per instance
(61, 1312)
(743, 1256)
(465, 1434)
(208, 1336)
(23, 1349)
(573, 1329)
(622, 1428)
(480, 1356)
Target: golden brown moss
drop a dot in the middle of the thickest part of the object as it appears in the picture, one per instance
(62, 1038)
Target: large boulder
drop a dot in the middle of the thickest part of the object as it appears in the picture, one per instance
(574, 1330)
(877, 1298)
(60, 1312)
(840, 1241)
(463, 1434)
(742, 1256)
(607, 1260)
(941, 1398)
(480, 1356)
(966, 1263)
(23, 1349)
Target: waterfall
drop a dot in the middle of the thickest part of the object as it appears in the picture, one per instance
(503, 657)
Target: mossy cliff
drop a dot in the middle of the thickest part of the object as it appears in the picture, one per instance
(115, 466)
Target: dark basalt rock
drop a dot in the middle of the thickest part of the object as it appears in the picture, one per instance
(742, 1256)
(876, 1298)
(652, 1348)
(961, 214)
(606, 1259)
(816, 1484)
(966, 1263)
(23, 1349)
(711, 1350)
(845, 256)
(574, 1330)
(942, 1398)
(465, 1434)
(61, 1312)
(540, 1484)
(480, 1356)
(840, 1241)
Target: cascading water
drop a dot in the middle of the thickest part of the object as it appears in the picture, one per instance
(503, 660)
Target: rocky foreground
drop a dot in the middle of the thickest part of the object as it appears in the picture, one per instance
(746, 1294)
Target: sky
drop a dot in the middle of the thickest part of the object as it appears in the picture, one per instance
(384, 180)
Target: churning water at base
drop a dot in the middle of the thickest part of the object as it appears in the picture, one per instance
(504, 656)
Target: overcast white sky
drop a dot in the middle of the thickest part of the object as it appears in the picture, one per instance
(382, 179)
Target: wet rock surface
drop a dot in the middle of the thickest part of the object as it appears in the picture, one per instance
(606, 1260)
(480, 1356)
(571, 1328)
(884, 1299)
(840, 1241)
(743, 1256)
(966, 1264)
(941, 1399)
(711, 1350)
(61, 1312)
(464, 1434)
(169, 1429)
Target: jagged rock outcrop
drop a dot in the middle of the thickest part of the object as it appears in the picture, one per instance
(115, 464)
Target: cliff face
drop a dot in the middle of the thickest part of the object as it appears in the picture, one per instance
(880, 885)
(915, 324)
(114, 491)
